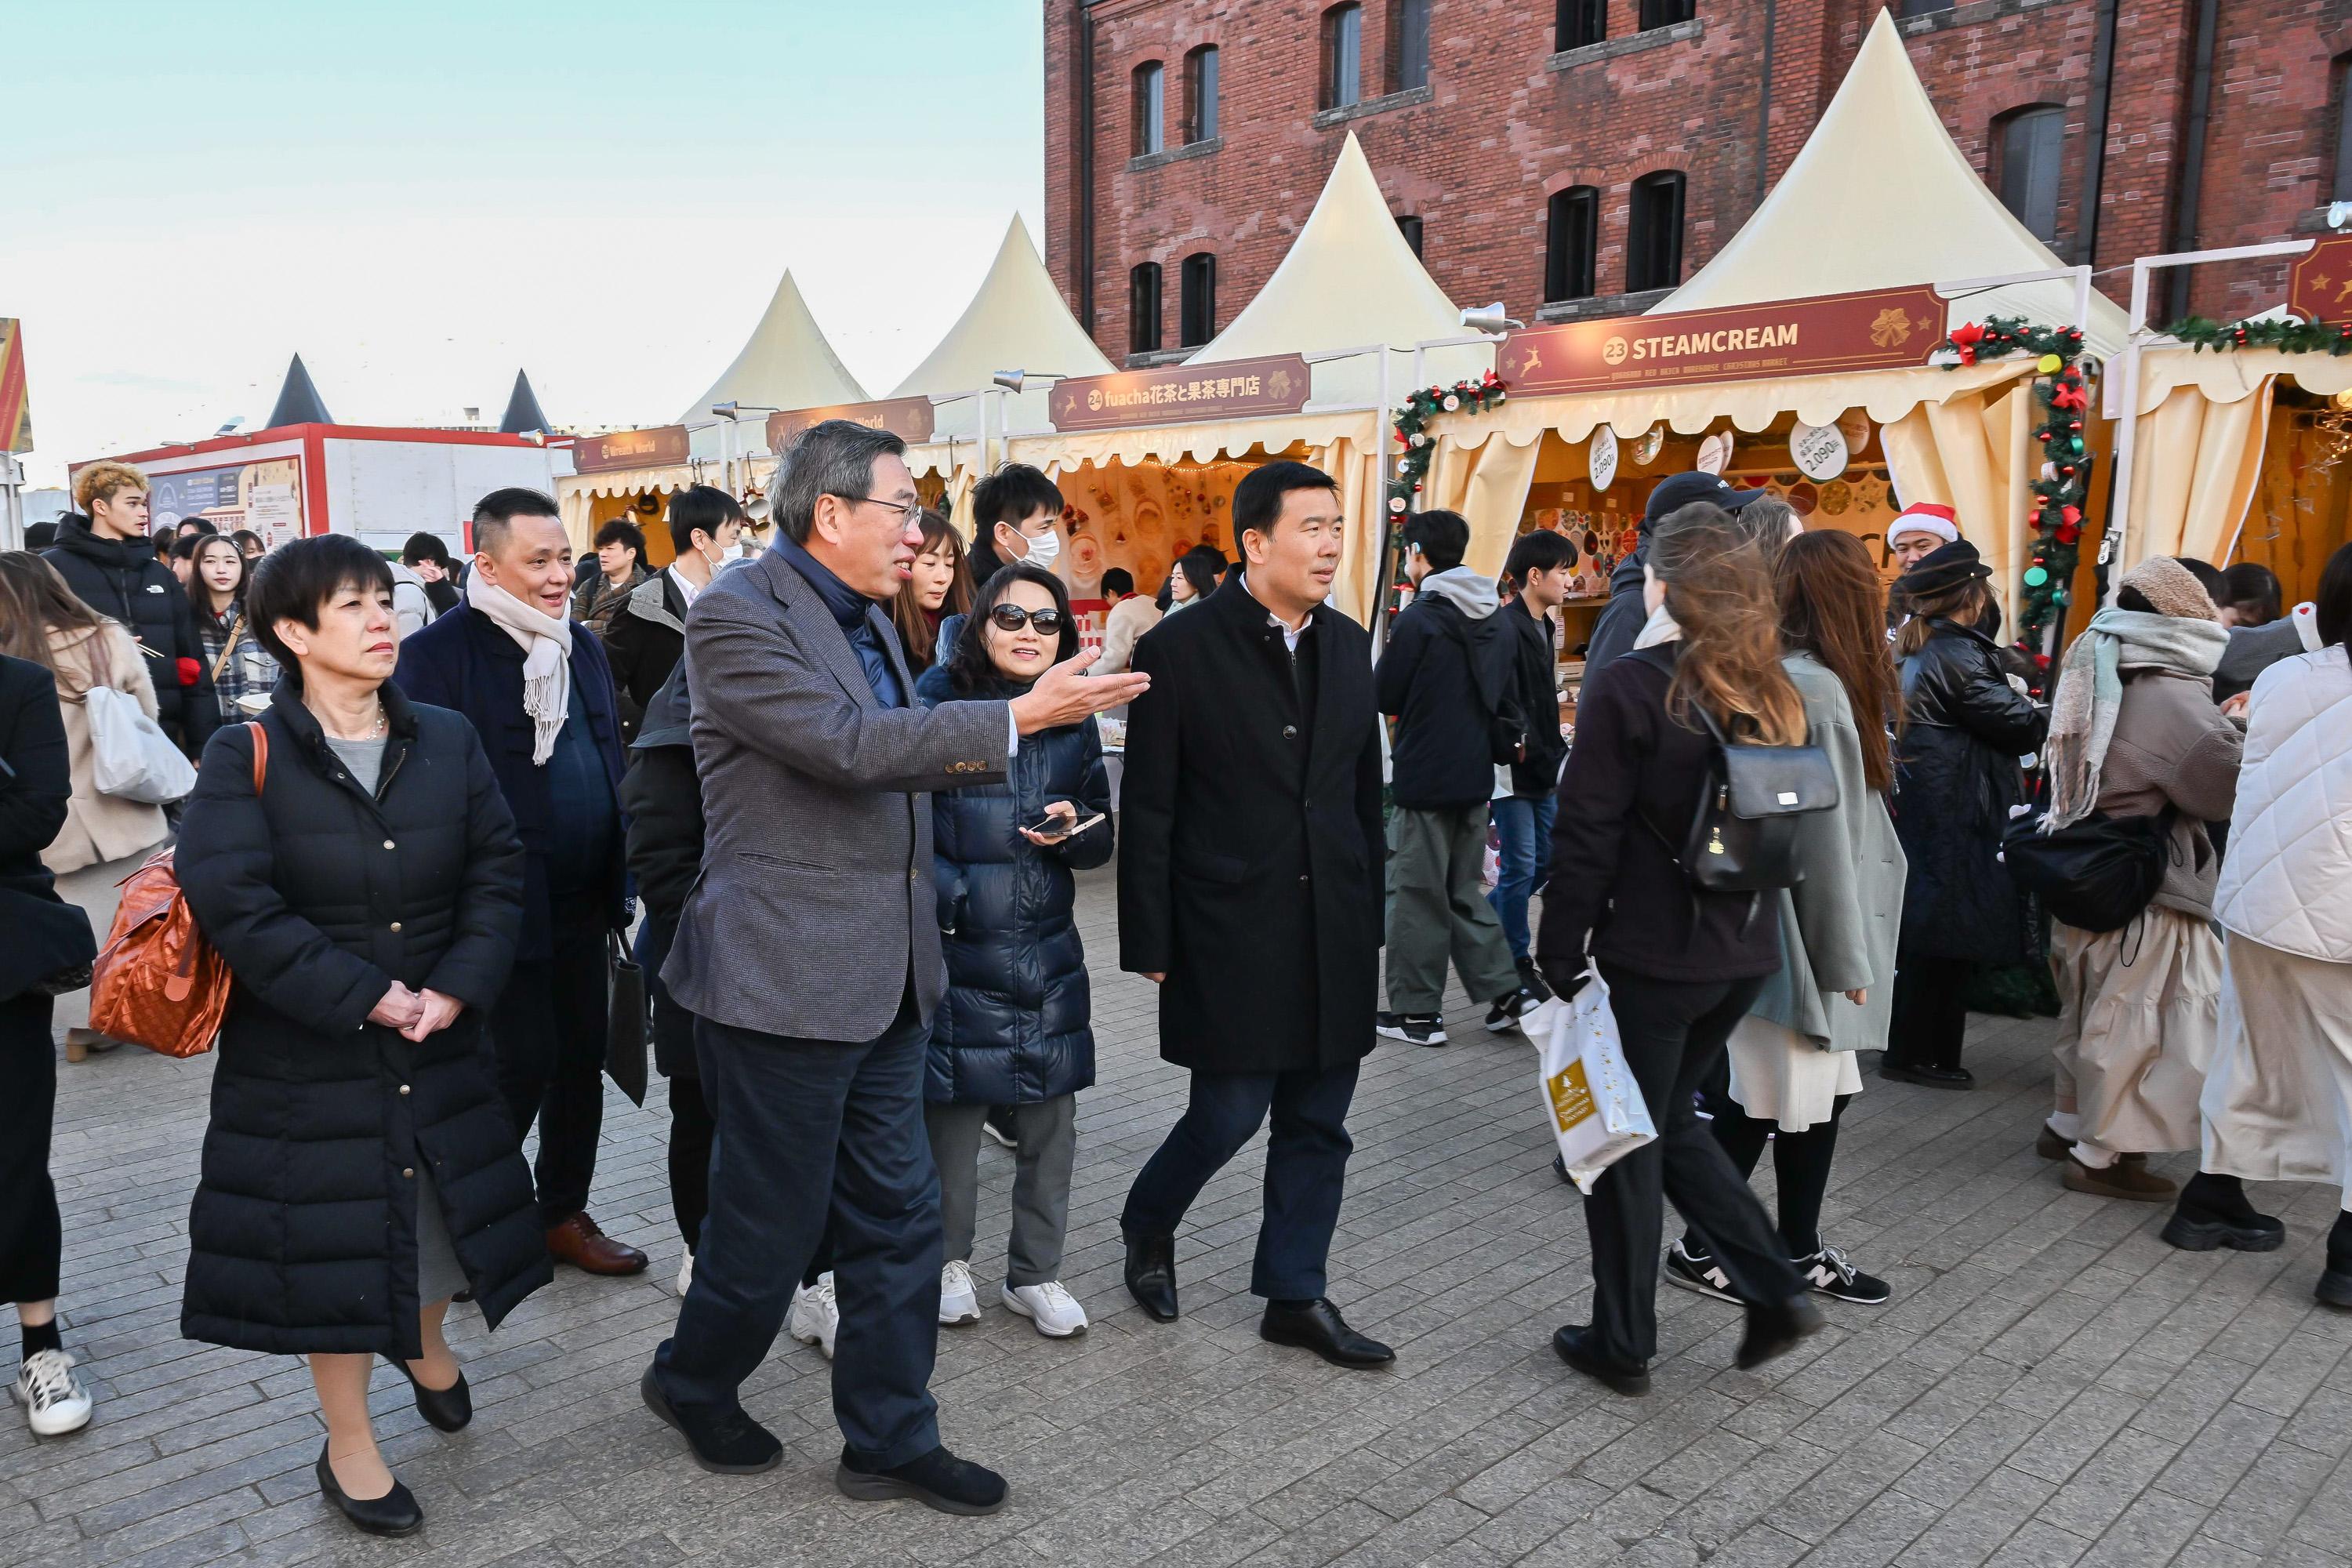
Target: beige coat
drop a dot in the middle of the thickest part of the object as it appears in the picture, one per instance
(2172, 747)
(99, 827)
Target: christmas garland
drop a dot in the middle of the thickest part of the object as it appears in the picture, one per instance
(2065, 476)
(2288, 336)
(1412, 422)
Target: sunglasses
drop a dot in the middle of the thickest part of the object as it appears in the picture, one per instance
(1012, 617)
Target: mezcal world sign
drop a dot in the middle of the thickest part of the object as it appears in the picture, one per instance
(1881, 329)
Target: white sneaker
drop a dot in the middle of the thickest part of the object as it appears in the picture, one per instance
(958, 1302)
(1053, 1310)
(55, 1401)
(686, 1272)
(816, 1314)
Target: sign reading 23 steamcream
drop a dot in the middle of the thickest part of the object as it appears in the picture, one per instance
(1882, 329)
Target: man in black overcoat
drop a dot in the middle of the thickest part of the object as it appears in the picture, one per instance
(1250, 891)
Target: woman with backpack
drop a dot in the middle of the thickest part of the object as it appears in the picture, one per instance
(2134, 732)
(106, 838)
(2278, 1097)
(1683, 964)
(1957, 784)
(1015, 1027)
(242, 670)
(353, 860)
(1792, 1058)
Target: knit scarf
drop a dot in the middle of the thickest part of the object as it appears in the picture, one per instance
(546, 644)
(2091, 691)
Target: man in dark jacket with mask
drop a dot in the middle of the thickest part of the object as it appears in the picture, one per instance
(1448, 677)
(106, 558)
(1622, 619)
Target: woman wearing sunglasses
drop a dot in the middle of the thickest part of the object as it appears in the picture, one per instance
(1014, 1027)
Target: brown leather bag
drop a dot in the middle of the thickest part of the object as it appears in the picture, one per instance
(158, 983)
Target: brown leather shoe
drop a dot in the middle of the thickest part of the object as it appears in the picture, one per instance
(2128, 1178)
(578, 1242)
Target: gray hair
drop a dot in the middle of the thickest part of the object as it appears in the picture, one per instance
(836, 458)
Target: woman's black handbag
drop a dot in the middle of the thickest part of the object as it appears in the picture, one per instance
(2099, 874)
(628, 1023)
(1743, 836)
(50, 949)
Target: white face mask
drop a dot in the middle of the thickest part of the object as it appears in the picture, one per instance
(1045, 550)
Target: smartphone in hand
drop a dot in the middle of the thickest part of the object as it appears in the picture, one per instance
(1058, 827)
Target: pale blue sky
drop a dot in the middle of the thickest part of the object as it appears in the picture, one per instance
(421, 197)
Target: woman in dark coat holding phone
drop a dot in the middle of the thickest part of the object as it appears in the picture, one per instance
(359, 1169)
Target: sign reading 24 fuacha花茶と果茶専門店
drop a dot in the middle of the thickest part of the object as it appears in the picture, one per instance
(1879, 329)
(1180, 394)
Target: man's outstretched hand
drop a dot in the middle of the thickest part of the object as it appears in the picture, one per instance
(1065, 694)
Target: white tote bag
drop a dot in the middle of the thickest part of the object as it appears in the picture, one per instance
(130, 754)
(1596, 1108)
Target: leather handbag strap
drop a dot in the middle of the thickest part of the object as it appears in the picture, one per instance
(260, 755)
(228, 649)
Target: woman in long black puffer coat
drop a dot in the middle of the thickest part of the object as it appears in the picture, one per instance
(1957, 782)
(360, 1168)
(1014, 1029)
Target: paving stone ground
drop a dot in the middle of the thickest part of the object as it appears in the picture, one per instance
(2051, 1384)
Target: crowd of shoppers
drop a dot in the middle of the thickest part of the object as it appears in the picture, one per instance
(852, 783)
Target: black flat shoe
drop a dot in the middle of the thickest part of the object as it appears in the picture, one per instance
(1775, 1330)
(1927, 1077)
(1573, 1344)
(1318, 1327)
(447, 1409)
(938, 1479)
(1151, 1275)
(394, 1513)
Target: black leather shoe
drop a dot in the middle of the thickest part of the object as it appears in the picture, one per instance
(1151, 1275)
(938, 1480)
(1926, 1076)
(394, 1513)
(1318, 1327)
(1775, 1330)
(725, 1442)
(1573, 1344)
(447, 1408)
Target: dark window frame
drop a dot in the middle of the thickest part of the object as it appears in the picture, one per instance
(1571, 243)
(2036, 186)
(1910, 8)
(1196, 299)
(2340, 182)
(1577, 23)
(1148, 107)
(1408, 49)
(1410, 225)
(1656, 14)
(1144, 308)
(1656, 216)
(1203, 82)
(1343, 37)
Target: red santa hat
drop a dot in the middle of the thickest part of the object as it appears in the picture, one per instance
(1926, 517)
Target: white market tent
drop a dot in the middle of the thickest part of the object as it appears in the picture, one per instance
(1880, 197)
(1016, 321)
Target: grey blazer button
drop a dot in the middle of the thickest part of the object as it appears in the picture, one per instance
(395, 925)
(409, 1172)
(404, 1089)
(387, 844)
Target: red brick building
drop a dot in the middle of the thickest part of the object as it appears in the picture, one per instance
(1579, 157)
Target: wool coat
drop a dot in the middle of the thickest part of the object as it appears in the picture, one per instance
(122, 580)
(1255, 856)
(1956, 781)
(1016, 1026)
(303, 1230)
(45, 934)
(99, 827)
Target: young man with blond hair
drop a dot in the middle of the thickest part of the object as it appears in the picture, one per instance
(105, 556)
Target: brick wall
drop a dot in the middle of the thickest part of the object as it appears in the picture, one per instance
(1506, 121)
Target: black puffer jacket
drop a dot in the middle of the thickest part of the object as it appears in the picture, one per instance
(121, 579)
(1015, 1026)
(1544, 749)
(303, 1232)
(663, 799)
(1956, 779)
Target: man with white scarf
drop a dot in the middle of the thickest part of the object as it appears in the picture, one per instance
(538, 690)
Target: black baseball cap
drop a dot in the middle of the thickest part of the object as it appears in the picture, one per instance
(1677, 491)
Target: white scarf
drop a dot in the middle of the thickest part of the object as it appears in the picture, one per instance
(1660, 627)
(546, 644)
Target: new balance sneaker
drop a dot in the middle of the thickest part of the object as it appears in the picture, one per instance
(1414, 1028)
(54, 1399)
(815, 1316)
(1827, 1273)
(1696, 1269)
(1053, 1310)
(1509, 1008)
(958, 1302)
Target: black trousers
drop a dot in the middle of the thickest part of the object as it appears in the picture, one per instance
(31, 1238)
(1930, 1016)
(1801, 1164)
(691, 1131)
(1306, 1168)
(1674, 1032)
(548, 1029)
(812, 1134)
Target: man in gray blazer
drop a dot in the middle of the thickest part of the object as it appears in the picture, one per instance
(809, 955)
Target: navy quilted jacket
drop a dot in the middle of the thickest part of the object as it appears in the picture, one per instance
(1015, 1026)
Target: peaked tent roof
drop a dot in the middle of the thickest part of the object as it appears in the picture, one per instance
(1919, 213)
(1348, 278)
(785, 364)
(523, 412)
(299, 402)
(1016, 321)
